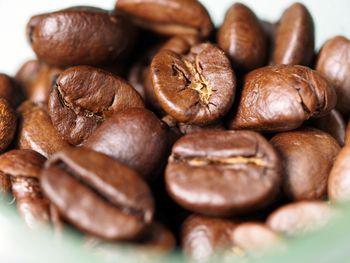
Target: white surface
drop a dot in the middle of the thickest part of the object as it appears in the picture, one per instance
(331, 18)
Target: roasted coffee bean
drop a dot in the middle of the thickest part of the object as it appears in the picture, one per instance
(242, 38)
(171, 17)
(204, 237)
(308, 157)
(332, 123)
(97, 194)
(300, 217)
(339, 178)
(135, 137)
(80, 36)
(9, 90)
(196, 88)
(295, 37)
(23, 168)
(332, 62)
(8, 124)
(223, 173)
(281, 98)
(84, 97)
(37, 79)
(36, 131)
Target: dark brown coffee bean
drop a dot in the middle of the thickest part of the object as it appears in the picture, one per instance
(135, 137)
(295, 37)
(173, 17)
(339, 178)
(9, 90)
(36, 131)
(37, 79)
(300, 217)
(281, 98)
(23, 167)
(197, 88)
(205, 237)
(308, 157)
(242, 38)
(333, 63)
(332, 123)
(223, 172)
(80, 36)
(97, 194)
(84, 97)
(8, 124)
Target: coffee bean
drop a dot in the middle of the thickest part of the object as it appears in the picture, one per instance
(281, 98)
(300, 217)
(23, 168)
(339, 181)
(308, 156)
(8, 124)
(84, 97)
(332, 62)
(97, 194)
(295, 37)
(176, 17)
(223, 173)
(80, 36)
(332, 123)
(242, 38)
(197, 88)
(36, 131)
(135, 137)
(9, 90)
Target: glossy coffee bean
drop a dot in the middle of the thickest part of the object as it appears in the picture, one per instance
(300, 217)
(37, 79)
(172, 17)
(308, 157)
(281, 98)
(242, 38)
(205, 237)
(84, 97)
(80, 36)
(333, 123)
(23, 168)
(135, 137)
(295, 37)
(97, 194)
(332, 62)
(196, 88)
(8, 124)
(339, 178)
(36, 131)
(8, 90)
(223, 173)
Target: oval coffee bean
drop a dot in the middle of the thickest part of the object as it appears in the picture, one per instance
(295, 37)
(171, 17)
(205, 237)
(36, 131)
(308, 157)
(8, 124)
(334, 64)
(9, 90)
(80, 36)
(281, 98)
(223, 173)
(135, 137)
(242, 38)
(84, 97)
(300, 217)
(332, 123)
(339, 178)
(23, 167)
(97, 194)
(196, 88)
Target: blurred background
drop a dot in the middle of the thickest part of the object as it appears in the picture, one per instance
(331, 18)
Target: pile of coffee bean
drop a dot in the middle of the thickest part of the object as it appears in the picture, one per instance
(145, 125)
